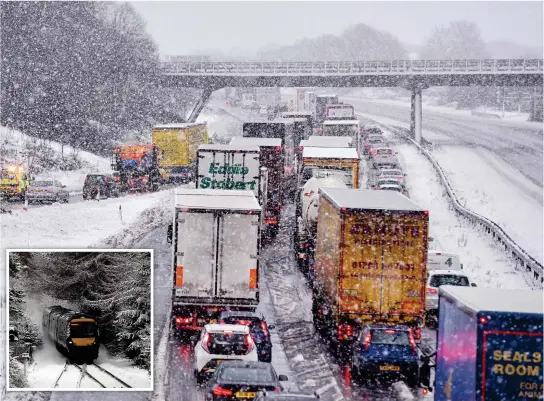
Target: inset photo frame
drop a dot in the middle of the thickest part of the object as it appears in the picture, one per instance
(80, 319)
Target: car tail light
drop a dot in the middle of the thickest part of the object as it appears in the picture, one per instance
(432, 291)
(378, 187)
(218, 390)
(278, 147)
(206, 342)
(249, 342)
(277, 389)
(184, 320)
(412, 342)
(344, 330)
(366, 341)
(264, 328)
(49, 190)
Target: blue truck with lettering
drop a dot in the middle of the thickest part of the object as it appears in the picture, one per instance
(489, 345)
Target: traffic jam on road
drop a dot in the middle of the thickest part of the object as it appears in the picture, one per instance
(361, 245)
(320, 190)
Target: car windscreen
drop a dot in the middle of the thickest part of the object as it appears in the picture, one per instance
(448, 279)
(388, 182)
(253, 323)
(247, 374)
(383, 151)
(42, 184)
(227, 343)
(390, 172)
(390, 337)
(83, 329)
(95, 179)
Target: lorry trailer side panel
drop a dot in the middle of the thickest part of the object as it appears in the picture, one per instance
(456, 354)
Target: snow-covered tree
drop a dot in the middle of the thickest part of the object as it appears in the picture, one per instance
(17, 377)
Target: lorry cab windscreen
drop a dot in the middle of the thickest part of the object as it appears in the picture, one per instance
(83, 330)
(448, 279)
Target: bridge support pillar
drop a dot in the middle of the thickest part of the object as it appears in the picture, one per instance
(416, 114)
(200, 105)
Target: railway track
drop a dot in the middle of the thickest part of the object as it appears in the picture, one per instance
(75, 374)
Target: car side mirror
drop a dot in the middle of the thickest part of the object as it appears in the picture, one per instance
(271, 327)
(169, 233)
(473, 285)
(283, 378)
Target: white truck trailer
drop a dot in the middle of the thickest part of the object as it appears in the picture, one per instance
(215, 239)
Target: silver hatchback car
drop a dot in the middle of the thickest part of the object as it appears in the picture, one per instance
(47, 191)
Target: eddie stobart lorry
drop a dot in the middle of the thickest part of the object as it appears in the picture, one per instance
(489, 345)
(370, 265)
(215, 239)
(271, 157)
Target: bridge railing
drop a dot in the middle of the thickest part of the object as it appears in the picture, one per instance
(403, 67)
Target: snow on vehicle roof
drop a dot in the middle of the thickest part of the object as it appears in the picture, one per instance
(246, 148)
(177, 125)
(329, 153)
(325, 142)
(217, 199)
(341, 122)
(219, 328)
(240, 140)
(345, 139)
(453, 272)
(296, 113)
(483, 299)
(370, 199)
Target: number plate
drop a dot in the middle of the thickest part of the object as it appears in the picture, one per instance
(390, 368)
(245, 395)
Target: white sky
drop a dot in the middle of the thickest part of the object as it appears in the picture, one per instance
(191, 27)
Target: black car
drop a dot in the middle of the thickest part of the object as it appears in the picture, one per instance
(105, 183)
(267, 396)
(240, 380)
(257, 327)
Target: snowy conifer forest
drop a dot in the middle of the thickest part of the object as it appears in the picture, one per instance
(112, 287)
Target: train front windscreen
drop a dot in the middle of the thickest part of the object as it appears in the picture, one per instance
(83, 329)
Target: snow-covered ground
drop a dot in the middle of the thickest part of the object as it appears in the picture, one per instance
(405, 101)
(482, 258)
(492, 188)
(13, 141)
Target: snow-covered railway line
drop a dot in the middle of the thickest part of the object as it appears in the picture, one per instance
(73, 376)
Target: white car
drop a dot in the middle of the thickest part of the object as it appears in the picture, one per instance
(382, 156)
(222, 342)
(393, 173)
(438, 278)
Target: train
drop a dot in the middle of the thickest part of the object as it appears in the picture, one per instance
(74, 333)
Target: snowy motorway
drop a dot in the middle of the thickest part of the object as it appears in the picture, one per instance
(518, 143)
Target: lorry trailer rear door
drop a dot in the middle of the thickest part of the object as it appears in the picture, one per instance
(195, 254)
(238, 258)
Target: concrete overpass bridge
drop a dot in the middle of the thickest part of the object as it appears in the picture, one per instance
(413, 75)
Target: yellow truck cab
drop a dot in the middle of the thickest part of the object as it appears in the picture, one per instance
(14, 182)
(370, 262)
(177, 144)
